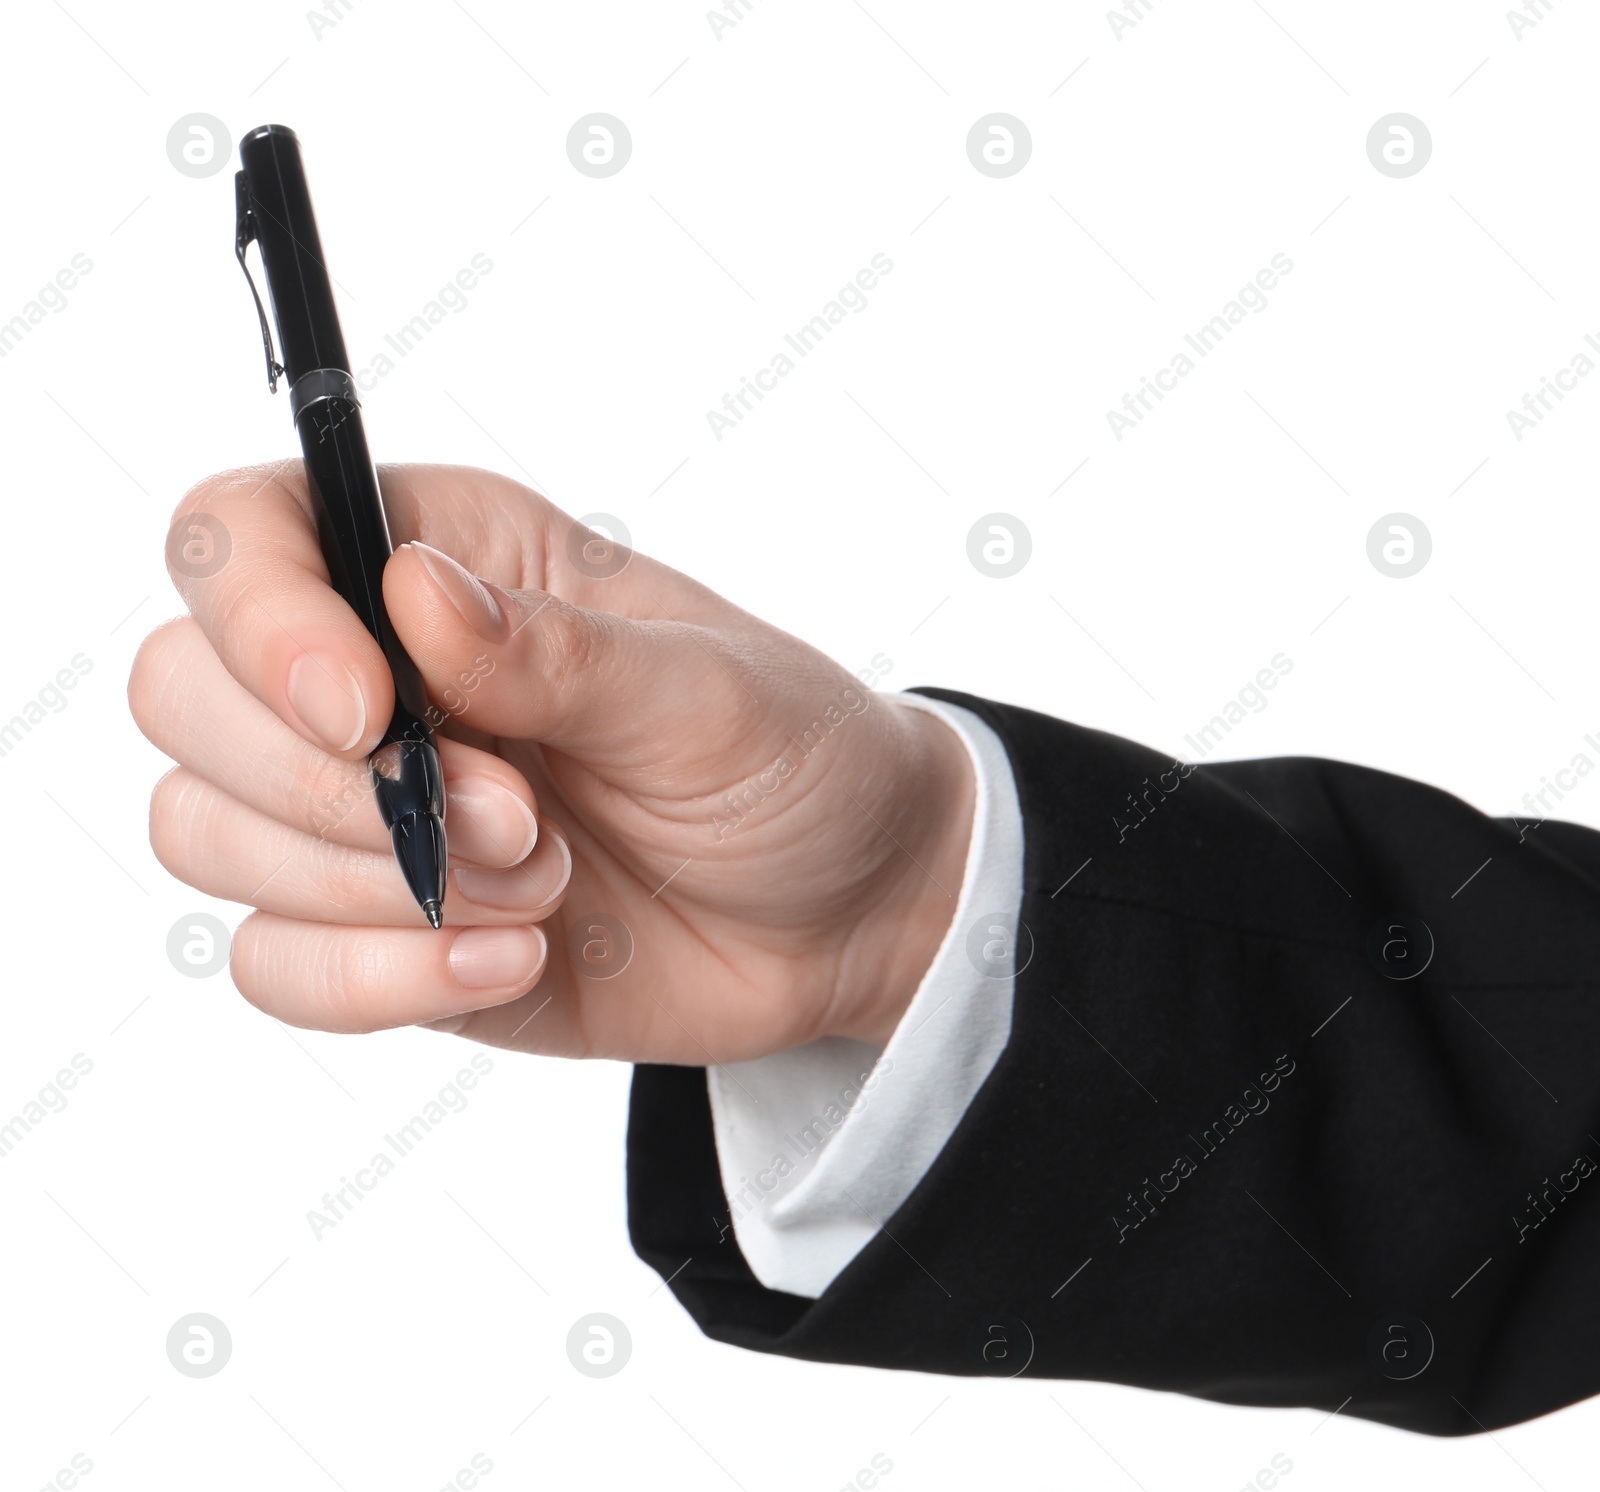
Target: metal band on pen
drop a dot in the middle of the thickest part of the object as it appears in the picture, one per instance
(319, 384)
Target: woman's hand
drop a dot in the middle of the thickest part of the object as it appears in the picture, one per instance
(676, 834)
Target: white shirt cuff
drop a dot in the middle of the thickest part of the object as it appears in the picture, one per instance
(819, 1144)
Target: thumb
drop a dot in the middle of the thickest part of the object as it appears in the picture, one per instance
(609, 689)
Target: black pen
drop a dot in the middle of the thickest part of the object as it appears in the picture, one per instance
(273, 207)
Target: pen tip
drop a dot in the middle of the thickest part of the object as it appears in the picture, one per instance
(434, 913)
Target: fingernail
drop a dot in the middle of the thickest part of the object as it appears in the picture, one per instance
(496, 957)
(328, 700)
(478, 609)
(525, 886)
(488, 822)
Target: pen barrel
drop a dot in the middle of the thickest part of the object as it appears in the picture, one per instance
(407, 779)
(354, 533)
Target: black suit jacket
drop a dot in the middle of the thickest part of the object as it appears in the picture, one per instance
(1296, 1178)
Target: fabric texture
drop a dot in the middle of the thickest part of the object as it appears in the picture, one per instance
(1226, 1150)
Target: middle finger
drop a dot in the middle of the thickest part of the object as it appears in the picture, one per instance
(231, 851)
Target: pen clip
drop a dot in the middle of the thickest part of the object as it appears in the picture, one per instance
(245, 230)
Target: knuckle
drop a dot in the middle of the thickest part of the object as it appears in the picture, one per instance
(569, 643)
(203, 495)
(331, 793)
(155, 673)
(247, 962)
(230, 614)
(219, 488)
(178, 823)
(317, 977)
(352, 992)
(348, 886)
(199, 537)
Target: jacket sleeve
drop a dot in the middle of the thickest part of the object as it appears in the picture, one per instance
(1298, 1108)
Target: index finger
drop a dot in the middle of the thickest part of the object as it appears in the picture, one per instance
(243, 553)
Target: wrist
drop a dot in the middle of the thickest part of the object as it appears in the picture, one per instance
(900, 933)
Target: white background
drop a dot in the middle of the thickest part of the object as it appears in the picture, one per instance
(768, 166)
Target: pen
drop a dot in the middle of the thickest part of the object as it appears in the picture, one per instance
(273, 207)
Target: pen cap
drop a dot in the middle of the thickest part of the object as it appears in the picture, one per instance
(298, 283)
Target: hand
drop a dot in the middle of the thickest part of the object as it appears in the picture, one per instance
(781, 846)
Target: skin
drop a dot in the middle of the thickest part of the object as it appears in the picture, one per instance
(594, 727)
